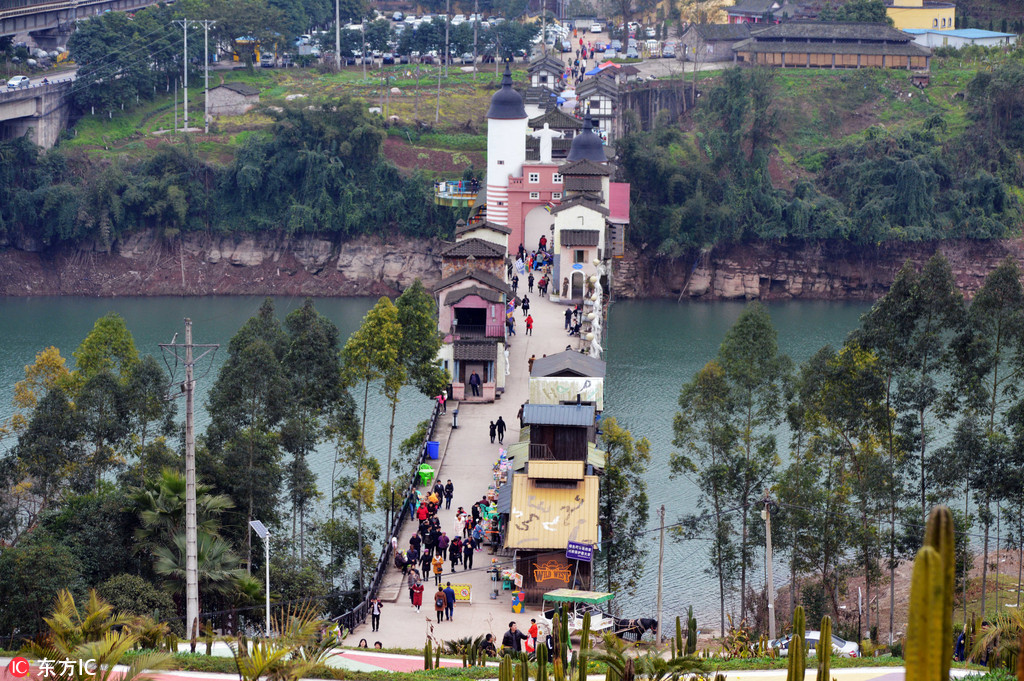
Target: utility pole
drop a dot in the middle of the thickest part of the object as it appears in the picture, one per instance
(767, 514)
(476, 23)
(661, 569)
(184, 25)
(337, 34)
(362, 51)
(191, 549)
(207, 23)
(447, 24)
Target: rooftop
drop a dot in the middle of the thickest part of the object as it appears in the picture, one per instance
(584, 167)
(474, 246)
(483, 277)
(574, 415)
(557, 120)
(567, 363)
(501, 229)
(580, 237)
(240, 88)
(475, 351)
(967, 33)
(490, 295)
(830, 30)
(711, 32)
(588, 200)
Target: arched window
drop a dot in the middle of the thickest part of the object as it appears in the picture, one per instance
(935, 23)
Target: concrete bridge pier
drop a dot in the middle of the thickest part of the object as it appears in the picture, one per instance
(41, 111)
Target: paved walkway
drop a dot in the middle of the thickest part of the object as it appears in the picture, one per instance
(467, 459)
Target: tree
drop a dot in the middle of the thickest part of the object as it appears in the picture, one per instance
(132, 595)
(45, 374)
(706, 435)
(31, 575)
(370, 354)
(311, 364)
(247, 402)
(858, 11)
(108, 347)
(755, 372)
(623, 507)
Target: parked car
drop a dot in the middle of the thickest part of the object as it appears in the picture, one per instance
(615, 45)
(631, 53)
(596, 28)
(839, 646)
(388, 58)
(18, 82)
(600, 47)
(566, 46)
(467, 57)
(397, 16)
(403, 59)
(651, 33)
(669, 51)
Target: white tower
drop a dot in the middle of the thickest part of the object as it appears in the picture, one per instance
(506, 147)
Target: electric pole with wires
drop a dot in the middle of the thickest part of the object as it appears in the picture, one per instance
(187, 387)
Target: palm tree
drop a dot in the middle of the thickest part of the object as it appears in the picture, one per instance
(650, 666)
(161, 507)
(98, 634)
(217, 564)
(1000, 640)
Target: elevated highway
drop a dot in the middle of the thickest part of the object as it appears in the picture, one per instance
(43, 110)
(48, 21)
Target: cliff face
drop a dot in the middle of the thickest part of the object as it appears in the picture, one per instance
(200, 264)
(823, 271)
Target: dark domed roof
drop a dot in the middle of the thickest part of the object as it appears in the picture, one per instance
(587, 146)
(507, 104)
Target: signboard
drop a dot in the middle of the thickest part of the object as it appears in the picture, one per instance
(463, 592)
(517, 579)
(579, 551)
(577, 266)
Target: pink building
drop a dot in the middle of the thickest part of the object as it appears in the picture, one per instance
(529, 197)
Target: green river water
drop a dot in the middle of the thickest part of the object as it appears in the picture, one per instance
(653, 347)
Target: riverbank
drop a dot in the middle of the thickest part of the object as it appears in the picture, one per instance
(146, 264)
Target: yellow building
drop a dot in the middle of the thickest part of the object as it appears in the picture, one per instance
(921, 14)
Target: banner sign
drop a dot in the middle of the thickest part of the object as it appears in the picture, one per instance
(579, 551)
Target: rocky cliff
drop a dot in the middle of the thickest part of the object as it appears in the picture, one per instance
(269, 264)
(824, 270)
(202, 264)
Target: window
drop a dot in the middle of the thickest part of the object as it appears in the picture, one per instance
(534, 178)
(935, 23)
(501, 203)
(556, 178)
(579, 256)
(556, 195)
(501, 163)
(534, 195)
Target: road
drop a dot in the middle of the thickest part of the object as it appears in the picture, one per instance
(55, 77)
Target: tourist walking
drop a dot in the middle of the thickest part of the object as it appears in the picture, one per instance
(467, 554)
(439, 602)
(438, 564)
(529, 365)
(375, 608)
(425, 563)
(499, 426)
(417, 596)
(494, 431)
(515, 282)
(449, 601)
(455, 551)
(449, 492)
(412, 580)
(474, 383)
(442, 545)
(529, 283)
(529, 325)
(526, 306)
(441, 399)
(568, 317)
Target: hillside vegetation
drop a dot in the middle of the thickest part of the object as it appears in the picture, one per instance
(853, 155)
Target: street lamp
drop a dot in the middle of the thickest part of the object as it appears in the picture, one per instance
(264, 534)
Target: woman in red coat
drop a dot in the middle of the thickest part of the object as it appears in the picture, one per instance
(417, 596)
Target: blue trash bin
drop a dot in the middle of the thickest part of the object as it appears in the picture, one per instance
(433, 449)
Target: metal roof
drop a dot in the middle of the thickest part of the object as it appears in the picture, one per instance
(519, 453)
(568, 362)
(550, 517)
(506, 104)
(576, 415)
(504, 500)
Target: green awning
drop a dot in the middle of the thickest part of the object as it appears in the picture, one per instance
(577, 596)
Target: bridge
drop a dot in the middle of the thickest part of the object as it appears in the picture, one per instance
(43, 109)
(49, 22)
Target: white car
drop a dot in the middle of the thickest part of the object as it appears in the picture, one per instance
(596, 28)
(839, 646)
(18, 82)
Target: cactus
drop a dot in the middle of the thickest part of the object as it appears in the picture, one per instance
(797, 650)
(437, 657)
(584, 646)
(939, 535)
(428, 655)
(677, 642)
(505, 669)
(969, 634)
(542, 662)
(691, 632)
(825, 650)
(564, 637)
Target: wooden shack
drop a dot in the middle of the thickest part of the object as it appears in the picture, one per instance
(815, 44)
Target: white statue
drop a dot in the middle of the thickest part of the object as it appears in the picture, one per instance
(595, 325)
(545, 135)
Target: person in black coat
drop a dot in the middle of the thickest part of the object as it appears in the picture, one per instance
(449, 492)
(513, 639)
(499, 426)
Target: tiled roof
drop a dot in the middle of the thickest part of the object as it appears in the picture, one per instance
(568, 362)
(546, 62)
(241, 88)
(595, 86)
(476, 247)
(580, 237)
(909, 49)
(557, 119)
(501, 229)
(584, 168)
(475, 351)
(487, 294)
(831, 30)
(712, 32)
(753, 8)
(591, 202)
(483, 277)
(582, 183)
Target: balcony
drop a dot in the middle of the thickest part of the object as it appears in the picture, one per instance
(457, 193)
(471, 331)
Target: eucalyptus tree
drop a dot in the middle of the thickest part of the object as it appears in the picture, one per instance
(247, 403)
(623, 509)
(312, 367)
(706, 435)
(370, 354)
(756, 373)
(989, 360)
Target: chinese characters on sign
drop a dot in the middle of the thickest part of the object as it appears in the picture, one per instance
(54, 669)
(579, 551)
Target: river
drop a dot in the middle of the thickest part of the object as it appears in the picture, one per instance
(653, 348)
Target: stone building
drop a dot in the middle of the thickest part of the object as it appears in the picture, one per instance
(712, 42)
(232, 99)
